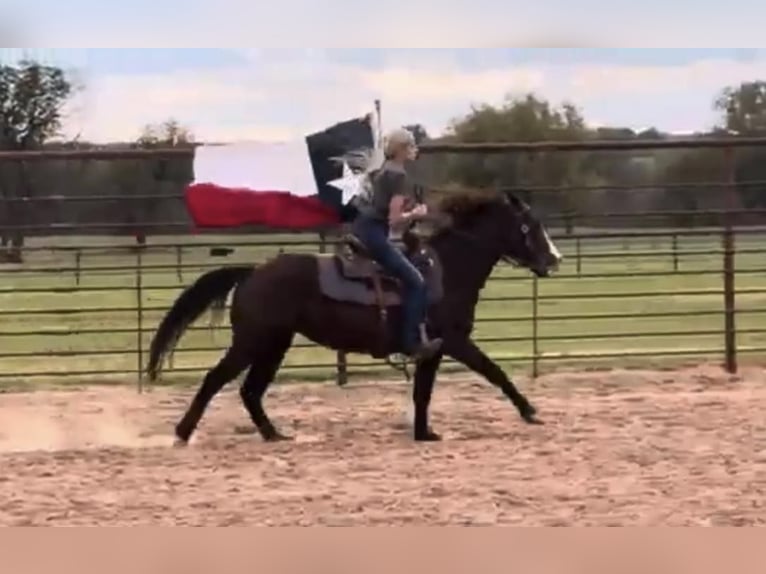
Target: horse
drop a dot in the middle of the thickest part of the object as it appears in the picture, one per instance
(346, 303)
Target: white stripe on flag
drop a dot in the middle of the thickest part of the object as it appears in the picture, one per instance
(378, 155)
(259, 166)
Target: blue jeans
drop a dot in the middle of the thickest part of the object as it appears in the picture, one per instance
(374, 235)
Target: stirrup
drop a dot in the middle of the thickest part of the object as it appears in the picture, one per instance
(425, 341)
(433, 346)
(402, 365)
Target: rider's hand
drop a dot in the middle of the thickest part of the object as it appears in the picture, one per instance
(420, 211)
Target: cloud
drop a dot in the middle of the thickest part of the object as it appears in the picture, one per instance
(704, 75)
(272, 98)
(404, 85)
(213, 104)
(350, 23)
(286, 93)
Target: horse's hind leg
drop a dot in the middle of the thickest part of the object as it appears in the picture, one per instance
(233, 363)
(262, 373)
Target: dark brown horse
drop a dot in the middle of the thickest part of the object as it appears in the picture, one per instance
(337, 304)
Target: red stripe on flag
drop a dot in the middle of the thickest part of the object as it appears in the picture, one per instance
(214, 206)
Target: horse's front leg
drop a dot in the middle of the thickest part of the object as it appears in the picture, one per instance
(466, 352)
(425, 376)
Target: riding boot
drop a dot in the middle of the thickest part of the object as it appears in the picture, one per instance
(425, 349)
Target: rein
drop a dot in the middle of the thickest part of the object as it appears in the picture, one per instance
(471, 238)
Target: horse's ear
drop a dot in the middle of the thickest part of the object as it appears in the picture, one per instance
(512, 198)
(516, 201)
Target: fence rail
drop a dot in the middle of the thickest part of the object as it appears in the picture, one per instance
(27, 210)
(699, 142)
(616, 299)
(89, 309)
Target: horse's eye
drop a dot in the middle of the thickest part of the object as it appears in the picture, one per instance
(525, 229)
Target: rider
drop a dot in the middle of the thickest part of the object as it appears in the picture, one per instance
(382, 209)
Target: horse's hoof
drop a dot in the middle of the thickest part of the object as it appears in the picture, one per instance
(531, 419)
(529, 414)
(279, 437)
(180, 443)
(429, 436)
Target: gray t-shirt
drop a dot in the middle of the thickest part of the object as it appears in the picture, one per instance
(389, 181)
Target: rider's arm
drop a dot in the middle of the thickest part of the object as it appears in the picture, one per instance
(397, 186)
(396, 212)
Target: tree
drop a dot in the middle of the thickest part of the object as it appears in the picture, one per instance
(686, 170)
(623, 167)
(518, 120)
(526, 119)
(742, 111)
(169, 133)
(166, 177)
(419, 131)
(743, 108)
(32, 99)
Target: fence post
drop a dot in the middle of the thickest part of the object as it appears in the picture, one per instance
(140, 318)
(78, 266)
(341, 363)
(729, 269)
(535, 349)
(179, 263)
(578, 248)
(675, 253)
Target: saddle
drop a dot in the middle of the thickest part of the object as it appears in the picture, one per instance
(351, 276)
(355, 264)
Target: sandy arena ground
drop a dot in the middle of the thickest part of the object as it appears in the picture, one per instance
(620, 448)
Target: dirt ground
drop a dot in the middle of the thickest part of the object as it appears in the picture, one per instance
(619, 448)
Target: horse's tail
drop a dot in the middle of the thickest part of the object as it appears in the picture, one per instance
(210, 290)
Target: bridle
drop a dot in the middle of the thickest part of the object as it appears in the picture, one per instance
(479, 243)
(496, 252)
(419, 193)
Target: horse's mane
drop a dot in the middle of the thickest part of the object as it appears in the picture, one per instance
(465, 203)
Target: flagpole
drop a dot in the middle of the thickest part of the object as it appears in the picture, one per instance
(380, 123)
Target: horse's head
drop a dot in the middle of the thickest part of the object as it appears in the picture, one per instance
(505, 224)
(526, 238)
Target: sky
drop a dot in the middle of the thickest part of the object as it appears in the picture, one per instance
(278, 93)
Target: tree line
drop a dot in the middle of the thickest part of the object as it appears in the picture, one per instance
(141, 197)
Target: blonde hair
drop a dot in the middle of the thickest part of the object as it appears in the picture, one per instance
(397, 139)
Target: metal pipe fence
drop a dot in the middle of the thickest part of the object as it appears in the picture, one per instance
(92, 320)
(88, 309)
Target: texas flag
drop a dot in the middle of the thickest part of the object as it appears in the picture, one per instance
(298, 185)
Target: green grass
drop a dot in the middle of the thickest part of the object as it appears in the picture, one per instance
(96, 287)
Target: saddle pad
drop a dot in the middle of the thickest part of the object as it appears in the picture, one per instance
(335, 286)
(358, 267)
